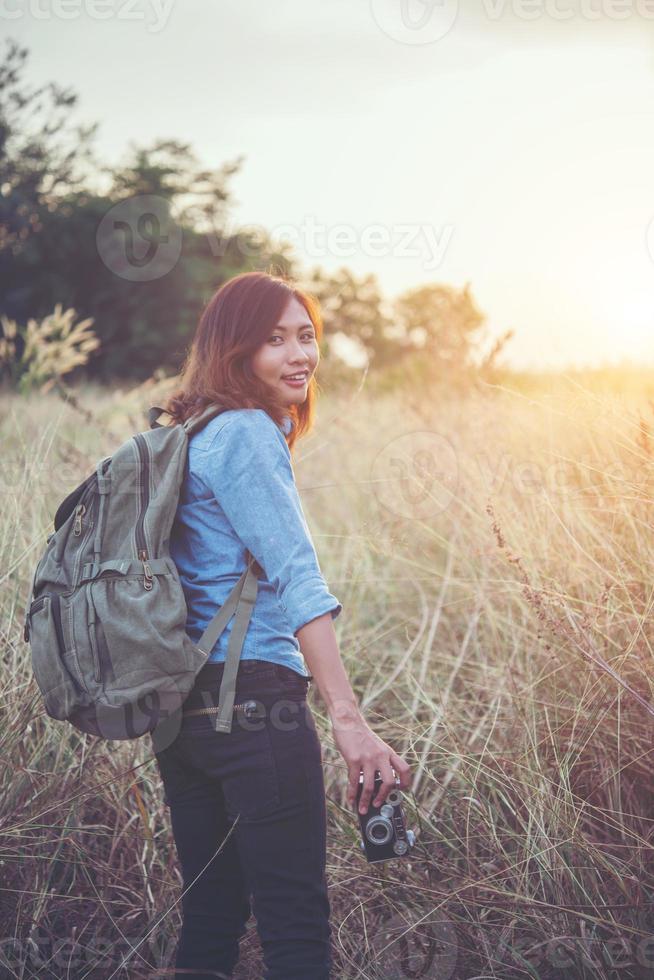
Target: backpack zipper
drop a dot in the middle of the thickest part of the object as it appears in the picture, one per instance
(56, 615)
(32, 608)
(250, 705)
(147, 571)
(141, 544)
(77, 530)
(93, 636)
(77, 525)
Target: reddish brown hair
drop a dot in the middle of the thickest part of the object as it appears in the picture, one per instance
(239, 317)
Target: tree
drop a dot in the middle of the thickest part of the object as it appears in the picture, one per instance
(41, 153)
(105, 251)
(356, 309)
(439, 327)
(441, 320)
(171, 170)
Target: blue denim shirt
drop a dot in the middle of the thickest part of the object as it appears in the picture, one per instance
(239, 492)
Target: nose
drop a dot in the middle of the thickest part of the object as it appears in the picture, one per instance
(300, 356)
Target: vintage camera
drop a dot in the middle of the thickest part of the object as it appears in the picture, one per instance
(383, 828)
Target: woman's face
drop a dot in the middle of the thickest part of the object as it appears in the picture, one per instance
(291, 349)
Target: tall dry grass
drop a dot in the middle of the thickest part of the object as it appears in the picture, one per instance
(497, 630)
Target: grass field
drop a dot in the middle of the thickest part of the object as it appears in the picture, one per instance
(493, 553)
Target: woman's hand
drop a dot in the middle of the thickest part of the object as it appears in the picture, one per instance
(359, 746)
(363, 750)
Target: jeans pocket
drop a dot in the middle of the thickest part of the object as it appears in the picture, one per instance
(288, 682)
(248, 771)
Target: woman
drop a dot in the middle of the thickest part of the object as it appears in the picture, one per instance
(248, 807)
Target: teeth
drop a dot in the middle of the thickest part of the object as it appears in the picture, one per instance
(295, 377)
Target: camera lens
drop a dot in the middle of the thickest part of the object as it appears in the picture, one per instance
(379, 830)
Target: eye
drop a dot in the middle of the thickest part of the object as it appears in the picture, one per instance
(306, 336)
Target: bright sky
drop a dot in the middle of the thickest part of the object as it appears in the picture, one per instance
(503, 143)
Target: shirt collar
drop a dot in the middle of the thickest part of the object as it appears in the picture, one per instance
(287, 424)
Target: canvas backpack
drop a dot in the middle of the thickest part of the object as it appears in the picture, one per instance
(106, 617)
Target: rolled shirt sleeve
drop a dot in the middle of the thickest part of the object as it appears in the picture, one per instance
(248, 468)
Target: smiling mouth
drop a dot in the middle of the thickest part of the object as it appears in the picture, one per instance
(296, 377)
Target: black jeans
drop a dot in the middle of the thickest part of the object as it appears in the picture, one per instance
(266, 776)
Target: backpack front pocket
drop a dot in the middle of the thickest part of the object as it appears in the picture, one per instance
(92, 634)
(58, 688)
(138, 633)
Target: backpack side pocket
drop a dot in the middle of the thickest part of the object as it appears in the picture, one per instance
(59, 691)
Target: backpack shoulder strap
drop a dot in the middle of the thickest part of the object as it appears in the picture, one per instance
(240, 601)
(153, 415)
(192, 424)
(197, 421)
